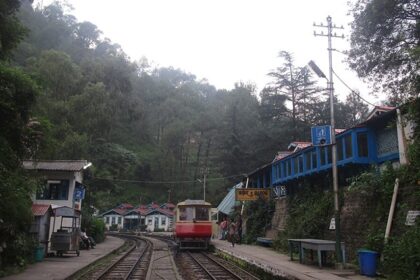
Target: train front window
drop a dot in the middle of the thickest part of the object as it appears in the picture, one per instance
(202, 214)
(186, 213)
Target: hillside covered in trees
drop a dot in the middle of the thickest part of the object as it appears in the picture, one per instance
(150, 130)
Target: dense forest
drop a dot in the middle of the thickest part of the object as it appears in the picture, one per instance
(153, 132)
(68, 92)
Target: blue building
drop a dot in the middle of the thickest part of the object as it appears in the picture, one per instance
(381, 138)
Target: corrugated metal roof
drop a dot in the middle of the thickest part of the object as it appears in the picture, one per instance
(227, 204)
(55, 165)
(40, 209)
(161, 211)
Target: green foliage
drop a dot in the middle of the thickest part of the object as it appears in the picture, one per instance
(402, 255)
(310, 211)
(16, 216)
(97, 230)
(259, 215)
(384, 45)
(11, 30)
(113, 227)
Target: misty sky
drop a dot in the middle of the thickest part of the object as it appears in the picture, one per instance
(224, 41)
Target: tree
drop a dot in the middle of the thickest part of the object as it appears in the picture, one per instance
(11, 31)
(385, 45)
(296, 85)
(17, 95)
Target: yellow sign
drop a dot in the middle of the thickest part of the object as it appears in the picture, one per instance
(251, 194)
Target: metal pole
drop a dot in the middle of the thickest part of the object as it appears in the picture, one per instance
(334, 149)
(204, 186)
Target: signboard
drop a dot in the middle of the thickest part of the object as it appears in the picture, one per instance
(251, 194)
(321, 135)
(332, 224)
(280, 191)
(411, 217)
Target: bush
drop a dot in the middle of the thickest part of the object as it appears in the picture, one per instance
(113, 227)
(402, 255)
(97, 230)
(259, 215)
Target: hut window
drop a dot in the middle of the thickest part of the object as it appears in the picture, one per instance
(362, 144)
(349, 146)
(54, 190)
(340, 149)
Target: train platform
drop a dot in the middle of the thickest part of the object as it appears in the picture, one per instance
(62, 267)
(281, 265)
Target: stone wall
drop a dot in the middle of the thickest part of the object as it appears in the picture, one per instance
(278, 222)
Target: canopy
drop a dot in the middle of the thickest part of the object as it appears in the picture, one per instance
(227, 204)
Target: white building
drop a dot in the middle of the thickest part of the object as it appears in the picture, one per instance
(159, 219)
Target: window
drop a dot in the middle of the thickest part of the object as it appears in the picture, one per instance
(149, 221)
(362, 144)
(314, 160)
(348, 145)
(295, 166)
(119, 220)
(202, 214)
(112, 220)
(186, 213)
(323, 155)
(107, 220)
(329, 154)
(283, 169)
(54, 190)
(163, 221)
(308, 160)
(340, 155)
(300, 164)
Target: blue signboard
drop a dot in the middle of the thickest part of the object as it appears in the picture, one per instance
(321, 135)
(79, 191)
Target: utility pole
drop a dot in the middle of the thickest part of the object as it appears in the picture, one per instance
(204, 171)
(169, 195)
(330, 35)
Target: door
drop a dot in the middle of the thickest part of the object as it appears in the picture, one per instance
(156, 223)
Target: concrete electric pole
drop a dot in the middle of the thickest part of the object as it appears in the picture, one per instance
(330, 35)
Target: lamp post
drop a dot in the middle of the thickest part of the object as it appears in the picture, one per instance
(320, 74)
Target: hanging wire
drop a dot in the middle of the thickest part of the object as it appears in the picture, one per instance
(355, 92)
(164, 182)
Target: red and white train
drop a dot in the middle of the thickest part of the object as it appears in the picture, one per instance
(193, 225)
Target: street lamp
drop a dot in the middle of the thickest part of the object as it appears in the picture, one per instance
(320, 74)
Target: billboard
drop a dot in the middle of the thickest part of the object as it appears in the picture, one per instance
(251, 194)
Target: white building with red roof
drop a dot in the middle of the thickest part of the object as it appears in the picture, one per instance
(151, 217)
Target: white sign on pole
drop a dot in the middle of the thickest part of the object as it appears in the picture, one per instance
(332, 224)
(411, 217)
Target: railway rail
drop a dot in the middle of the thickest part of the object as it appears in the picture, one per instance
(134, 264)
(201, 265)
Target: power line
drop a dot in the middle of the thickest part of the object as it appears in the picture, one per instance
(164, 182)
(355, 92)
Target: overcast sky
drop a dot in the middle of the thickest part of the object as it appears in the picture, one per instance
(224, 41)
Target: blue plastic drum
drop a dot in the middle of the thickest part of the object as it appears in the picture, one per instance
(367, 262)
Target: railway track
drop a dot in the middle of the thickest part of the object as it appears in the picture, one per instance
(141, 258)
(200, 265)
(134, 264)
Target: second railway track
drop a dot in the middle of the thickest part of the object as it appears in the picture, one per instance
(201, 265)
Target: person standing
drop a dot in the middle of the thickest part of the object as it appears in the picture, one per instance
(239, 228)
(232, 233)
(223, 228)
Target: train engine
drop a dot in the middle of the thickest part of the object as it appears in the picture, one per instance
(193, 226)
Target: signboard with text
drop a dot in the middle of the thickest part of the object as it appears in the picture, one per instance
(321, 135)
(411, 217)
(251, 194)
